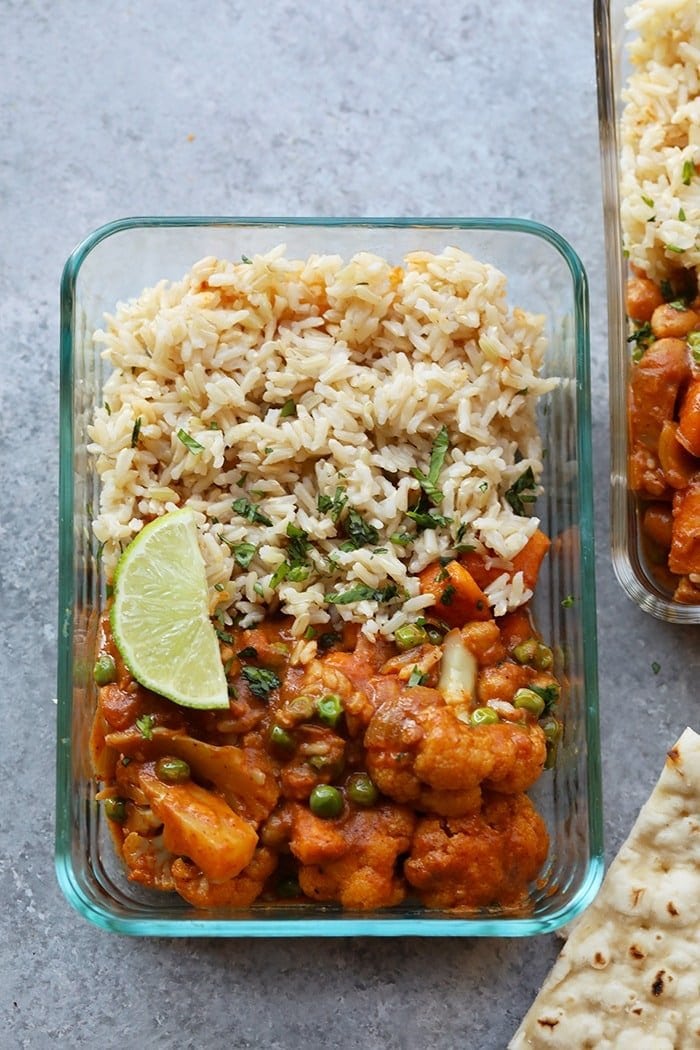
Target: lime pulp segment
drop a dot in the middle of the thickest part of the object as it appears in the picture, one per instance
(160, 614)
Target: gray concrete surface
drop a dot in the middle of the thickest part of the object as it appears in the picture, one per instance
(275, 108)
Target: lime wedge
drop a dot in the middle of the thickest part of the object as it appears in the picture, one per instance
(160, 614)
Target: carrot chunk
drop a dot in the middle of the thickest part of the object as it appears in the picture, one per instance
(530, 558)
(458, 597)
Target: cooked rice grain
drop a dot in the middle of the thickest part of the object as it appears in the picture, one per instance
(376, 359)
(660, 138)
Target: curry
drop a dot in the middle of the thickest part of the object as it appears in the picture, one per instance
(350, 771)
(664, 427)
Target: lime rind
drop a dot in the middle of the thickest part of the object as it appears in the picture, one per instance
(159, 615)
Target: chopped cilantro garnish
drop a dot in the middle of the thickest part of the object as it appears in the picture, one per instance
(361, 592)
(674, 248)
(447, 596)
(548, 693)
(248, 652)
(259, 589)
(484, 486)
(248, 510)
(522, 491)
(279, 575)
(679, 304)
(417, 678)
(260, 681)
(108, 410)
(298, 546)
(643, 337)
(358, 531)
(145, 724)
(245, 259)
(189, 442)
(223, 636)
(327, 639)
(648, 201)
(309, 634)
(332, 505)
(289, 408)
(656, 667)
(568, 601)
(218, 586)
(681, 215)
(401, 539)
(428, 482)
(694, 344)
(687, 172)
(424, 517)
(244, 553)
(135, 432)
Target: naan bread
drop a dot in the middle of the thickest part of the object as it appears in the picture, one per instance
(628, 977)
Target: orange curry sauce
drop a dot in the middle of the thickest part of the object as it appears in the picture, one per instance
(429, 806)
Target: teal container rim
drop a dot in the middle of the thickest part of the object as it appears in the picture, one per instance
(326, 927)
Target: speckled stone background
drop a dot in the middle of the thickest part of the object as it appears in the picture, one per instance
(275, 108)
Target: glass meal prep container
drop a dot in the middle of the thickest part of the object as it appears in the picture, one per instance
(544, 275)
(633, 560)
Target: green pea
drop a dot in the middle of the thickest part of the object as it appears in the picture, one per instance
(326, 802)
(551, 727)
(172, 770)
(544, 658)
(551, 759)
(361, 790)
(410, 635)
(280, 738)
(115, 809)
(105, 669)
(329, 710)
(527, 700)
(525, 651)
(484, 716)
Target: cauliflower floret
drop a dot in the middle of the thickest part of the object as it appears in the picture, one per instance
(244, 775)
(239, 892)
(201, 825)
(353, 860)
(486, 858)
(419, 752)
(148, 861)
